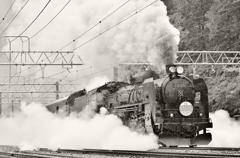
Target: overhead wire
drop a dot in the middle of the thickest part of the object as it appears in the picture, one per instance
(14, 17)
(114, 25)
(89, 28)
(111, 27)
(92, 74)
(63, 72)
(89, 41)
(49, 21)
(103, 32)
(50, 76)
(7, 12)
(32, 21)
(94, 25)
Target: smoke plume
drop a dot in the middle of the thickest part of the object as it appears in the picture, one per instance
(35, 127)
(146, 36)
(225, 131)
(96, 82)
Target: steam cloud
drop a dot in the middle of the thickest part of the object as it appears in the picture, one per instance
(225, 131)
(147, 36)
(35, 127)
(96, 82)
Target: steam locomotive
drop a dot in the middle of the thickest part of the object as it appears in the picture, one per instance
(174, 107)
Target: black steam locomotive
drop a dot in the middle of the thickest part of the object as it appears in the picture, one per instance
(173, 107)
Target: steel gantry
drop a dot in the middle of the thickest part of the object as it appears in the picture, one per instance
(208, 58)
(9, 90)
(41, 58)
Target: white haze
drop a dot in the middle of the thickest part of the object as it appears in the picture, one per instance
(96, 82)
(225, 131)
(35, 127)
(147, 36)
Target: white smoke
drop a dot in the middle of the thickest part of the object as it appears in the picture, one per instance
(35, 127)
(225, 131)
(96, 82)
(148, 35)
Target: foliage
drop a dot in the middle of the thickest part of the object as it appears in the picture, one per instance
(211, 25)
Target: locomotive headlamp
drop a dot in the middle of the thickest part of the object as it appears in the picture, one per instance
(200, 114)
(180, 70)
(171, 115)
(186, 108)
(172, 69)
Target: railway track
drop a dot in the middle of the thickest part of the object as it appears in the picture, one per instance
(147, 153)
(168, 153)
(203, 148)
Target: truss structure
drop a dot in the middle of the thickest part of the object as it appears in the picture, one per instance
(208, 58)
(16, 91)
(13, 92)
(41, 58)
(37, 88)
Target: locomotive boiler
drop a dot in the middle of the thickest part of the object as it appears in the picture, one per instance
(174, 107)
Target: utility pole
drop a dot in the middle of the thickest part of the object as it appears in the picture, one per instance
(57, 90)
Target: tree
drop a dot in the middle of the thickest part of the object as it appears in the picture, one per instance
(223, 24)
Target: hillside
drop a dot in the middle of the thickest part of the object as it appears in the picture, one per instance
(211, 25)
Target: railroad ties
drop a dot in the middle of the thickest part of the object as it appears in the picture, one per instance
(204, 152)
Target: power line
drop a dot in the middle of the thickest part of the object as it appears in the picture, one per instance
(95, 25)
(114, 25)
(85, 31)
(50, 76)
(50, 20)
(14, 17)
(32, 21)
(109, 28)
(92, 74)
(7, 12)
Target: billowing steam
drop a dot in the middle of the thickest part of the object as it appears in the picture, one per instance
(225, 131)
(35, 127)
(96, 82)
(146, 36)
